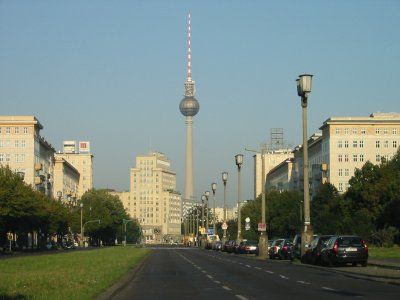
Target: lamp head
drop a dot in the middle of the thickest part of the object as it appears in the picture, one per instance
(207, 193)
(239, 159)
(214, 187)
(224, 177)
(305, 83)
(203, 198)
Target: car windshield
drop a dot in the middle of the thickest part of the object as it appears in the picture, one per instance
(350, 241)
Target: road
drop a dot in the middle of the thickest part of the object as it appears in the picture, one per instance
(190, 273)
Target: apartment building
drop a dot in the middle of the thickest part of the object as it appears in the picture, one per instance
(66, 181)
(272, 158)
(154, 199)
(80, 157)
(344, 144)
(26, 152)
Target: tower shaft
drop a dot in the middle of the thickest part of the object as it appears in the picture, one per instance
(189, 159)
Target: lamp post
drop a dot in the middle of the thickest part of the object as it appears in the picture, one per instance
(303, 89)
(81, 241)
(197, 225)
(203, 200)
(224, 179)
(239, 162)
(214, 189)
(125, 221)
(83, 227)
(207, 194)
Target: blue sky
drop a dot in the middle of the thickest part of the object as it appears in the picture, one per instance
(112, 72)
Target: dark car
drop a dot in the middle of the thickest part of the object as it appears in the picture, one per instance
(286, 250)
(217, 245)
(248, 247)
(273, 250)
(236, 247)
(313, 252)
(228, 246)
(343, 250)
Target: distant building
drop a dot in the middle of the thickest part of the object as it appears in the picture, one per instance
(154, 200)
(26, 152)
(66, 181)
(79, 156)
(344, 144)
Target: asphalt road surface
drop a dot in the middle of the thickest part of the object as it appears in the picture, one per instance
(190, 273)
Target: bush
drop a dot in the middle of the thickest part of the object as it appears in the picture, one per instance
(385, 237)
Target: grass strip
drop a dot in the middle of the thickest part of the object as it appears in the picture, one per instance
(73, 275)
(382, 252)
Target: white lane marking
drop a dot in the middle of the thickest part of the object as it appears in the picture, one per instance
(270, 272)
(204, 272)
(226, 288)
(217, 282)
(241, 297)
(283, 277)
(303, 282)
(209, 276)
(248, 266)
(258, 268)
(327, 288)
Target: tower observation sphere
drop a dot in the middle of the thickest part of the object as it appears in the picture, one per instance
(189, 106)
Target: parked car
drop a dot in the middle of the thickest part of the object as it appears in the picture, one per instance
(270, 244)
(273, 250)
(343, 250)
(313, 252)
(286, 250)
(236, 247)
(217, 245)
(229, 245)
(248, 247)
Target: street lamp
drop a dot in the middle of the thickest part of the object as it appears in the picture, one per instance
(224, 225)
(81, 241)
(214, 189)
(303, 89)
(239, 162)
(125, 221)
(207, 194)
(203, 200)
(83, 227)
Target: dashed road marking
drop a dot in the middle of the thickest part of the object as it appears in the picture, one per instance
(248, 266)
(217, 282)
(226, 288)
(241, 297)
(327, 288)
(303, 282)
(283, 277)
(270, 272)
(204, 271)
(258, 268)
(209, 276)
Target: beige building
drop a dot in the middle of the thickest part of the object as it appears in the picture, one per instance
(154, 200)
(25, 151)
(230, 214)
(125, 198)
(81, 158)
(344, 144)
(66, 181)
(272, 158)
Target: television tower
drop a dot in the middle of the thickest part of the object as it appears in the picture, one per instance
(189, 107)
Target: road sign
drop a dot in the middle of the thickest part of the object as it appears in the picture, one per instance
(247, 220)
(262, 227)
(210, 231)
(224, 226)
(247, 226)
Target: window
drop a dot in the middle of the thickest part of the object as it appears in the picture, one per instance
(377, 131)
(19, 158)
(340, 186)
(16, 129)
(340, 144)
(340, 172)
(361, 157)
(361, 144)
(5, 157)
(378, 158)
(354, 130)
(394, 131)
(394, 144)
(0, 129)
(346, 157)
(377, 144)
(385, 131)
(346, 172)
(354, 144)
(8, 130)
(363, 131)
(346, 144)
(386, 144)
(25, 130)
(346, 131)
(355, 157)
(337, 131)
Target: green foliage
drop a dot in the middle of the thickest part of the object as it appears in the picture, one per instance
(385, 236)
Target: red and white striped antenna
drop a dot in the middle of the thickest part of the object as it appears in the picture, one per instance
(189, 53)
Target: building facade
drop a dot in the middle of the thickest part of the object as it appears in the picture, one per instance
(26, 152)
(80, 157)
(272, 158)
(66, 181)
(343, 145)
(154, 200)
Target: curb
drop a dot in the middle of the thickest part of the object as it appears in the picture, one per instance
(123, 281)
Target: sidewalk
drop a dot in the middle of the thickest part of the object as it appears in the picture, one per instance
(388, 263)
